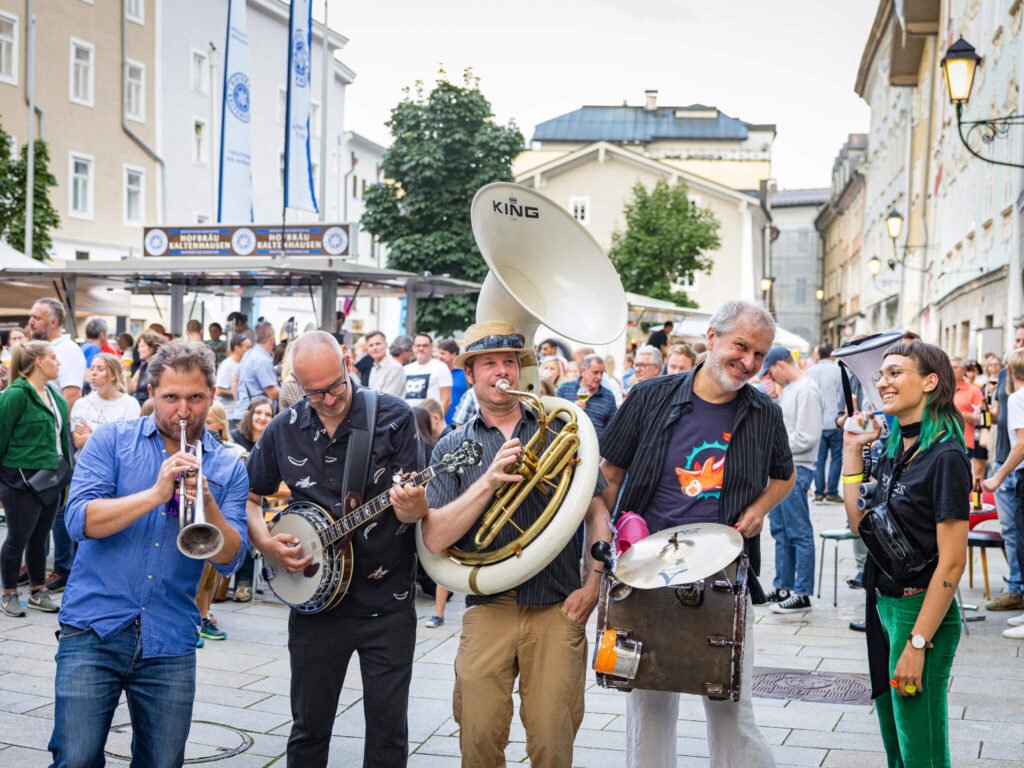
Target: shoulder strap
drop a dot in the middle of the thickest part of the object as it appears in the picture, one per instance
(357, 456)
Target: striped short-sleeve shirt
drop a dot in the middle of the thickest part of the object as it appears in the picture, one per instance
(562, 575)
(638, 437)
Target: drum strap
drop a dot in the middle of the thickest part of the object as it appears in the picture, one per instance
(360, 449)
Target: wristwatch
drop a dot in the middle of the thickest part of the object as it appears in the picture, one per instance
(919, 642)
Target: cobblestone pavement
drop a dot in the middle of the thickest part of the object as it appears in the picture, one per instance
(243, 685)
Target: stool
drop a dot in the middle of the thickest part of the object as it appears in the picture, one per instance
(836, 536)
(983, 540)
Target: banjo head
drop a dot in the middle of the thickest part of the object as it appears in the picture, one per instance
(309, 590)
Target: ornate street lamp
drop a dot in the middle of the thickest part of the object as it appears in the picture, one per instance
(894, 224)
(766, 284)
(820, 294)
(874, 265)
(959, 65)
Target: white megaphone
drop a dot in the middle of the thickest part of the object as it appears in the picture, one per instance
(863, 358)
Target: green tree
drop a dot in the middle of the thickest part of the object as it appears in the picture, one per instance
(44, 217)
(8, 187)
(667, 239)
(446, 146)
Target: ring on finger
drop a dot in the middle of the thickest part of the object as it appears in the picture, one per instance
(910, 688)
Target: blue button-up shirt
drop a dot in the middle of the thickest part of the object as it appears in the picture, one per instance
(255, 374)
(138, 572)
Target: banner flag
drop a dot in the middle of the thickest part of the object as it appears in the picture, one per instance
(234, 197)
(298, 167)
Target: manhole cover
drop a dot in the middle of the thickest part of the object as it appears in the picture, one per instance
(827, 687)
(207, 742)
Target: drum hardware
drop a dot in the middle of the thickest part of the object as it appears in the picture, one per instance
(644, 642)
(519, 251)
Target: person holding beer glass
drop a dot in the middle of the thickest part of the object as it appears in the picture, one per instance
(914, 523)
(588, 393)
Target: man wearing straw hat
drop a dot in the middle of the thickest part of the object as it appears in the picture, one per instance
(536, 630)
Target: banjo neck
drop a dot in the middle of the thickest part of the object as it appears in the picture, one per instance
(345, 524)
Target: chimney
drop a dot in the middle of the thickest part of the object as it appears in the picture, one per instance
(651, 99)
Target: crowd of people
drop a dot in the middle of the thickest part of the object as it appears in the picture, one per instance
(728, 430)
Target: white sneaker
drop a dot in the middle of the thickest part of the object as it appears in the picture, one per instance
(1017, 633)
(1016, 621)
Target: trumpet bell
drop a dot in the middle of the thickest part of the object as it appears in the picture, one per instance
(200, 541)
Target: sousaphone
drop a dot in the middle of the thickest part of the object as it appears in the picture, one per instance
(545, 268)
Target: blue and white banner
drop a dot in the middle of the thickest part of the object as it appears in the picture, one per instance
(234, 198)
(298, 167)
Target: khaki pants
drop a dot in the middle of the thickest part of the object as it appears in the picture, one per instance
(548, 651)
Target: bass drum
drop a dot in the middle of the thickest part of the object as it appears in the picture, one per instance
(531, 560)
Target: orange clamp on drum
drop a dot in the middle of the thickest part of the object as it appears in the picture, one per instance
(617, 655)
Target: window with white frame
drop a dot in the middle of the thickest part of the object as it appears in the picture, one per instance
(688, 283)
(314, 119)
(134, 196)
(135, 91)
(82, 72)
(198, 72)
(282, 105)
(8, 49)
(135, 10)
(81, 187)
(200, 142)
(579, 207)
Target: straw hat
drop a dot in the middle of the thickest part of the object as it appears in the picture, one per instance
(498, 329)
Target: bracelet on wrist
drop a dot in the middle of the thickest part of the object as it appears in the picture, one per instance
(853, 479)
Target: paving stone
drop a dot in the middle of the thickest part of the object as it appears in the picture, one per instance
(996, 750)
(19, 703)
(25, 758)
(214, 658)
(244, 719)
(798, 755)
(835, 740)
(232, 697)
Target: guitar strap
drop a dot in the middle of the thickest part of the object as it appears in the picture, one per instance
(360, 449)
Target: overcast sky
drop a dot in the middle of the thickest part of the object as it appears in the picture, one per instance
(788, 62)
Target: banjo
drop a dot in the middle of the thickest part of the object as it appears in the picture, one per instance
(323, 583)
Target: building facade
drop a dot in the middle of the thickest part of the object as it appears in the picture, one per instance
(595, 183)
(96, 84)
(953, 274)
(796, 261)
(840, 224)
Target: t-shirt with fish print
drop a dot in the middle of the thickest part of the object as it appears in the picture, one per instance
(690, 484)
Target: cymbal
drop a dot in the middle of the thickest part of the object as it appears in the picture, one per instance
(680, 555)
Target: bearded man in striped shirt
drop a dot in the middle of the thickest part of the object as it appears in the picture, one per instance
(703, 447)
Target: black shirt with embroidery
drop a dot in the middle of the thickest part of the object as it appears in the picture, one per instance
(296, 449)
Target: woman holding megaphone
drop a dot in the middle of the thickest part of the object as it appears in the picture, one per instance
(913, 520)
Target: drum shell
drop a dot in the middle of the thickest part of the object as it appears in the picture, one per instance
(686, 649)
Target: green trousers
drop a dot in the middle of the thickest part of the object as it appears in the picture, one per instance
(915, 729)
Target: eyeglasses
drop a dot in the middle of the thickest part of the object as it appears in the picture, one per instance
(495, 341)
(335, 390)
(647, 365)
(889, 375)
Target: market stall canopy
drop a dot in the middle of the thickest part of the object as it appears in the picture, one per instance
(648, 310)
(24, 280)
(696, 330)
(237, 276)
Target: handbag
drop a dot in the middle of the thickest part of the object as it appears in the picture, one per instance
(890, 547)
(49, 484)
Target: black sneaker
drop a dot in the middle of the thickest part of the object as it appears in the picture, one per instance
(857, 582)
(777, 596)
(834, 498)
(56, 582)
(793, 604)
(859, 626)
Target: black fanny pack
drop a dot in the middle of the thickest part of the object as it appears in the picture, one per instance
(49, 484)
(890, 547)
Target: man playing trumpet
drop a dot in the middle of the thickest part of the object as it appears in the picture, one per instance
(537, 630)
(128, 620)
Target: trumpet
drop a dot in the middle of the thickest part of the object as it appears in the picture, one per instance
(197, 538)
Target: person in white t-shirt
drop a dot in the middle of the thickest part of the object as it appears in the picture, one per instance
(1014, 462)
(426, 377)
(45, 323)
(106, 404)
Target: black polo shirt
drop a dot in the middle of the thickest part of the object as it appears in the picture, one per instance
(638, 438)
(561, 576)
(295, 448)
